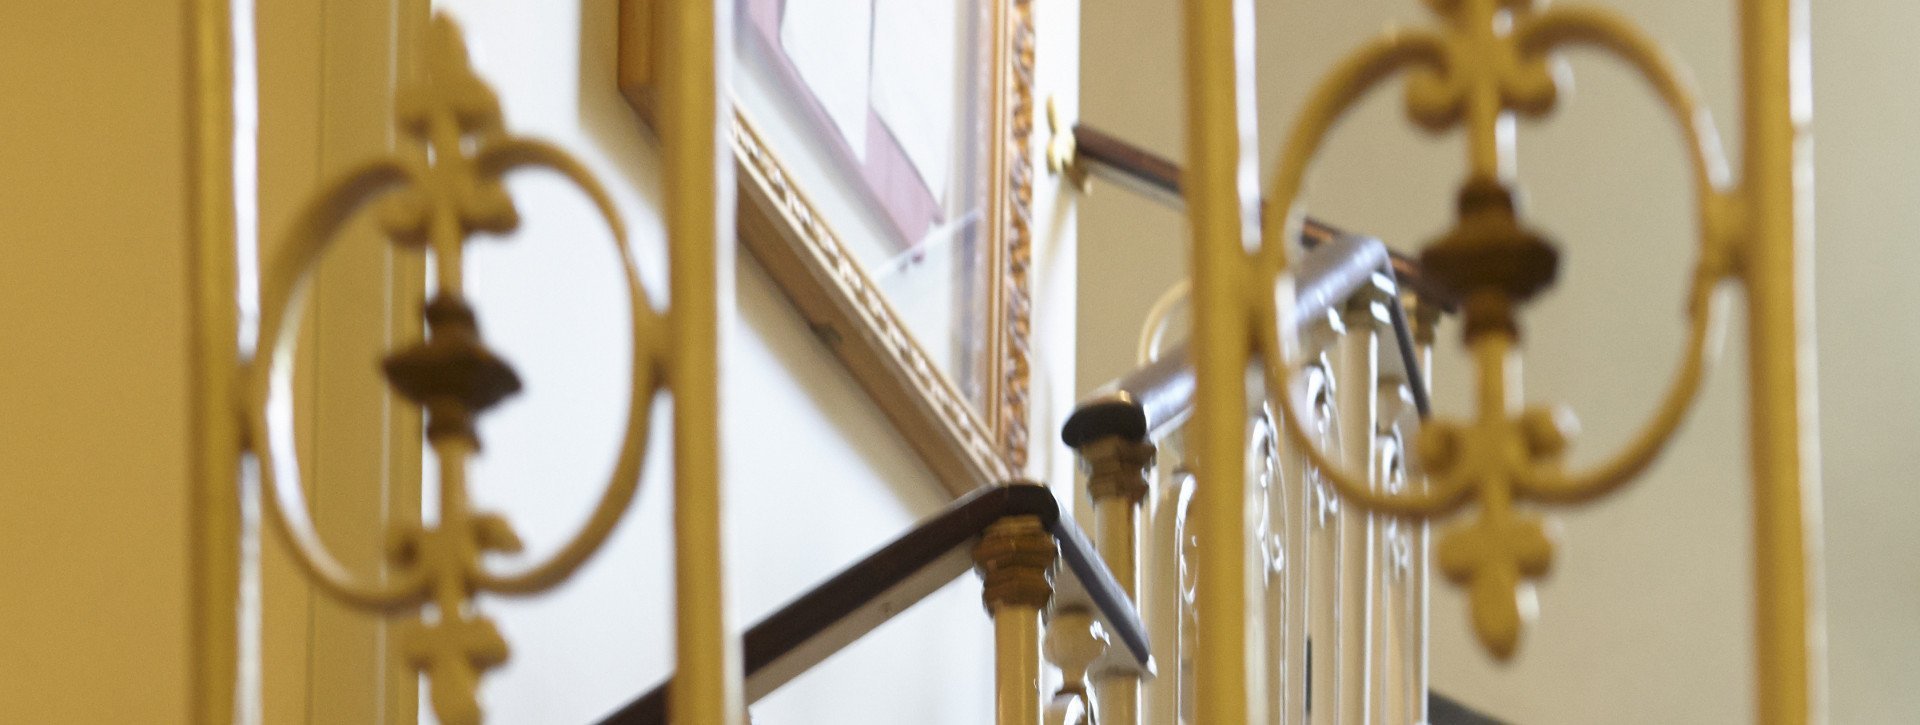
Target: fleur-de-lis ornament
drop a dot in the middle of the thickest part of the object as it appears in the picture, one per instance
(442, 185)
(1490, 61)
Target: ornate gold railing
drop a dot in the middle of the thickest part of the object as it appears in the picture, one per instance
(1325, 449)
(443, 185)
(1485, 63)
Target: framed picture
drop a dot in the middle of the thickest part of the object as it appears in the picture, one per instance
(886, 184)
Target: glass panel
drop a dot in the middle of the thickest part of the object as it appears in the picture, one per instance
(883, 113)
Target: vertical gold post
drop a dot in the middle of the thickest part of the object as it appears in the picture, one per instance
(1786, 511)
(1015, 560)
(706, 688)
(1117, 472)
(1217, 207)
(214, 473)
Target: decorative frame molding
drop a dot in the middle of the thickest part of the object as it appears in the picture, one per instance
(778, 223)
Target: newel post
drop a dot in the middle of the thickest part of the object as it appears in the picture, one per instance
(1015, 560)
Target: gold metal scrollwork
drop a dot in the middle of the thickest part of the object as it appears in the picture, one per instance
(444, 184)
(1491, 60)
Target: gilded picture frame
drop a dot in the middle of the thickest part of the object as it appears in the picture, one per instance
(966, 443)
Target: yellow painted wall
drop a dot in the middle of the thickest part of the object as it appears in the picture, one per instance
(326, 75)
(93, 366)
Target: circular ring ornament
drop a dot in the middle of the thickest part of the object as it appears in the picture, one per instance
(1495, 58)
(440, 188)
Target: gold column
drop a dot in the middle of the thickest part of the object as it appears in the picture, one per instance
(216, 516)
(1015, 560)
(1218, 208)
(1780, 353)
(1117, 471)
(706, 688)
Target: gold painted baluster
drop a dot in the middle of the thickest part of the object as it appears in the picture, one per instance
(216, 434)
(1217, 53)
(706, 688)
(1776, 104)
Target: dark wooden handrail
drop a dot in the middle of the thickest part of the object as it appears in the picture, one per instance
(1145, 403)
(888, 581)
(1157, 177)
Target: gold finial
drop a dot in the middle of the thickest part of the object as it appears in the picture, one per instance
(1493, 262)
(1015, 560)
(1117, 468)
(1062, 148)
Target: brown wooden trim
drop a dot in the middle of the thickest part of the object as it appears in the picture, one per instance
(887, 582)
(966, 445)
(779, 225)
(1145, 403)
(1135, 162)
(1157, 176)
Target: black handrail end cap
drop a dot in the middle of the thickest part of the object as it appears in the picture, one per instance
(1112, 417)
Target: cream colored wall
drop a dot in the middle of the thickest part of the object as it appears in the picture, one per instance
(815, 476)
(1646, 616)
(93, 366)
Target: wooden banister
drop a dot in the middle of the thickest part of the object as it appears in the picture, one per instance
(933, 553)
(1143, 404)
(1157, 177)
